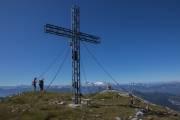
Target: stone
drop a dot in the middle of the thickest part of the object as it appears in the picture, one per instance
(61, 103)
(118, 118)
(139, 114)
(130, 117)
(134, 119)
(74, 105)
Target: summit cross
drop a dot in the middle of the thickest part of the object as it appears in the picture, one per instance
(76, 36)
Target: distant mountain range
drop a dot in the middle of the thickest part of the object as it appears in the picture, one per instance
(171, 88)
(163, 99)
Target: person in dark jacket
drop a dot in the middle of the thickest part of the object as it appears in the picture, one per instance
(34, 82)
(41, 85)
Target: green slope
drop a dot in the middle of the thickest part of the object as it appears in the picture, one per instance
(47, 106)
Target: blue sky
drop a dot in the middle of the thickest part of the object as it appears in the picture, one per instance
(140, 39)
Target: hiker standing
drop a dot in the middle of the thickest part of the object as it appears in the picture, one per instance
(34, 82)
(41, 85)
(131, 99)
(147, 107)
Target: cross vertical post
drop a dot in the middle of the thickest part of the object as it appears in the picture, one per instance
(76, 54)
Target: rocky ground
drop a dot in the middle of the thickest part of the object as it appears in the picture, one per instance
(101, 106)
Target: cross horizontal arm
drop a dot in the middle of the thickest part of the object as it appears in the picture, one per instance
(89, 38)
(52, 29)
(58, 30)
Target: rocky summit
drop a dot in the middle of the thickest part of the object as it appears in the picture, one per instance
(107, 105)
